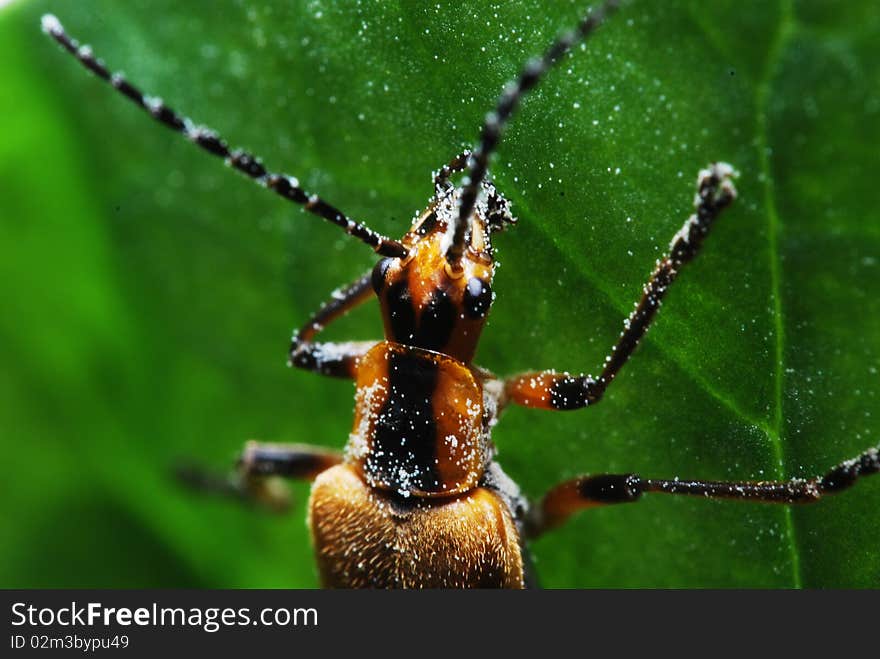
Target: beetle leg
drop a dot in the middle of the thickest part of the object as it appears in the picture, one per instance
(259, 470)
(584, 492)
(561, 391)
(302, 461)
(457, 164)
(261, 463)
(333, 359)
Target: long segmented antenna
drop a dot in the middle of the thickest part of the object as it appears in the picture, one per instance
(246, 163)
(507, 103)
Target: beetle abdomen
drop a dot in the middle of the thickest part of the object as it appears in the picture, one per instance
(369, 539)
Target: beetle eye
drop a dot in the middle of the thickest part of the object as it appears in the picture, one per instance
(477, 298)
(379, 272)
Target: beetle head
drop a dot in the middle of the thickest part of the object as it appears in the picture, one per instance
(429, 301)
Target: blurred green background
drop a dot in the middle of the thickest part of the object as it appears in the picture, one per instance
(148, 295)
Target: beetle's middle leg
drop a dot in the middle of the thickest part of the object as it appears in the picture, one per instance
(259, 470)
(261, 464)
(256, 478)
(584, 492)
(562, 391)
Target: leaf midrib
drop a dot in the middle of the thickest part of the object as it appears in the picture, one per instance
(784, 32)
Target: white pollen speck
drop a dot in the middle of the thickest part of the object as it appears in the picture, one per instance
(50, 24)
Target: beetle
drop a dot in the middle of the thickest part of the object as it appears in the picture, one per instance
(418, 499)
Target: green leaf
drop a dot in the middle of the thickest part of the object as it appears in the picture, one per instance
(149, 294)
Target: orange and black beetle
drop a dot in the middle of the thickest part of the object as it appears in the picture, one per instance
(417, 499)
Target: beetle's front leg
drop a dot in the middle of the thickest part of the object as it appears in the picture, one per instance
(561, 391)
(333, 359)
(337, 360)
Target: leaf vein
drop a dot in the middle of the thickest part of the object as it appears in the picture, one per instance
(783, 35)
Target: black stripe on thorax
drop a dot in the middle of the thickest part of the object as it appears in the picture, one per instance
(403, 453)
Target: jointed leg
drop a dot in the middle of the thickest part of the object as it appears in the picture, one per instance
(284, 185)
(262, 459)
(457, 164)
(334, 359)
(561, 391)
(260, 466)
(589, 491)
